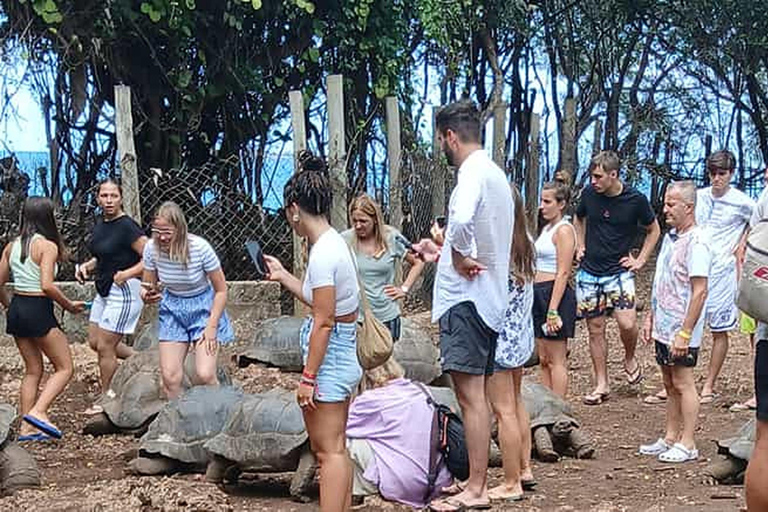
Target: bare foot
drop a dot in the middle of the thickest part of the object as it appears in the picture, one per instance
(504, 491)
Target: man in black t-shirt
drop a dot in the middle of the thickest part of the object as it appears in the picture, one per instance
(609, 217)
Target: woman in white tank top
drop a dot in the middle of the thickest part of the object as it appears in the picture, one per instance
(554, 305)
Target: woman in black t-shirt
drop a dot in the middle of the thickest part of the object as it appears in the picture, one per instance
(117, 244)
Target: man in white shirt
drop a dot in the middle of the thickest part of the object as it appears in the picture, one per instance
(725, 212)
(675, 321)
(470, 292)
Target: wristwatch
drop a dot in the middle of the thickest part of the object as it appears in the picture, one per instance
(404, 289)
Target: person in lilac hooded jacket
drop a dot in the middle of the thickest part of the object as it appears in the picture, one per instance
(388, 437)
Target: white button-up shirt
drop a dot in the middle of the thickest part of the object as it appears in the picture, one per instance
(480, 221)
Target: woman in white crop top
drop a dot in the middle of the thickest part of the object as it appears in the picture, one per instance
(554, 305)
(329, 335)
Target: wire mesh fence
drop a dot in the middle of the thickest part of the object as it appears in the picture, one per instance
(218, 210)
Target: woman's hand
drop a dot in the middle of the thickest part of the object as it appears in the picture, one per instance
(276, 271)
(208, 340)
(427, 250)
(554, 324)
(82, 273)
(119, 278)
(305, 395)
(76, 306)
(438, 233)
(394, 292)
(149, 295)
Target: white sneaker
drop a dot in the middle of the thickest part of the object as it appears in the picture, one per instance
(657, 448)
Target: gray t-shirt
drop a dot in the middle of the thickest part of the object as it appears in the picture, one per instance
(376, 273)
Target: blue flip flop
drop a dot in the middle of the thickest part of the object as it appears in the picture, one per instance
(37, 436)
(43, 426)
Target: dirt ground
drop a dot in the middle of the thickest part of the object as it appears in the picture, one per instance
(82, 473)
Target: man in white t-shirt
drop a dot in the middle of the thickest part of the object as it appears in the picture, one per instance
(675, 321)
(725, 212)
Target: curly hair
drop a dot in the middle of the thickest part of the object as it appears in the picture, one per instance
(309, 188)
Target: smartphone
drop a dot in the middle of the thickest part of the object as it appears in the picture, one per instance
(440, 220)
(88, 305)
(404, 242)
(257, 257)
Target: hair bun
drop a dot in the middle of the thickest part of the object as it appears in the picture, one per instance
(310, 162)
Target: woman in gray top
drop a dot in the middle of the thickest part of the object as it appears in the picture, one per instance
(378, 251)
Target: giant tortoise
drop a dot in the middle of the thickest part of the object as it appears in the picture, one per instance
(175, 439)
(554, 430)
(276, 343)
(737, 451)
(18, 469)
(265, 434)
(136, 394)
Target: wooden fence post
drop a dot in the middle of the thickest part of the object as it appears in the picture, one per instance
(439, 171)
(394, 160)
(126, 152)
(296, 102)
(532, 178)
(337, 151)
(500, 135)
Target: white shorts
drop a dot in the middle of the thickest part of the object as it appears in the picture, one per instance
(119, 311)
(722, 313)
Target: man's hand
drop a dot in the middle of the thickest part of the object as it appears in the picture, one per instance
(679, 346)
(466, 266)
(579, 253)
(647, 332)
(119, 278)
(427, 250)
(631, 263)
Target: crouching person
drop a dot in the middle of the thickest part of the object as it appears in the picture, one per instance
(675, 322)
(389, 439)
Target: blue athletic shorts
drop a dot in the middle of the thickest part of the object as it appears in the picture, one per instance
(183, 319)
(340, 371)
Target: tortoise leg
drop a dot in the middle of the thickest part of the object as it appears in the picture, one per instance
(304, 476)
(217, 469)
(18, 470)
(581, 444)
(100, 426)
(153, 466)
(728, 470)
(543, 443)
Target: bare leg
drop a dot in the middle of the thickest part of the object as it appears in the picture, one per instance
(30, 383)
(552, 358)
(172, 356)
(716, 360)
(756, 481)
(524, 425)
(682, 379)
(674, 418)
(598, 349)
(106, 347)
(626, 319)
(504, 406)
(325, 427)
(56, 348)
(205, 366)
(470, 392)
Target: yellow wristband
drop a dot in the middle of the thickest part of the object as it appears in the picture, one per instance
(684, 334)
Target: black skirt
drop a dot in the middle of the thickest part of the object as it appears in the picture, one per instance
(30, 317)
(542, 293)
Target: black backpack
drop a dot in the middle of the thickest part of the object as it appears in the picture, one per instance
(447, 438)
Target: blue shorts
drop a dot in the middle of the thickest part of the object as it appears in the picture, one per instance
(183, 319)
(340, 371)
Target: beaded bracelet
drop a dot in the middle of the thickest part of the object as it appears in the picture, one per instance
(307, 382)
(553, 313)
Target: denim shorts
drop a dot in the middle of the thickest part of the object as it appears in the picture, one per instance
(340, 371)
(183, 319)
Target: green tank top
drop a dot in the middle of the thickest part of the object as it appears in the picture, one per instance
(26, 275)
